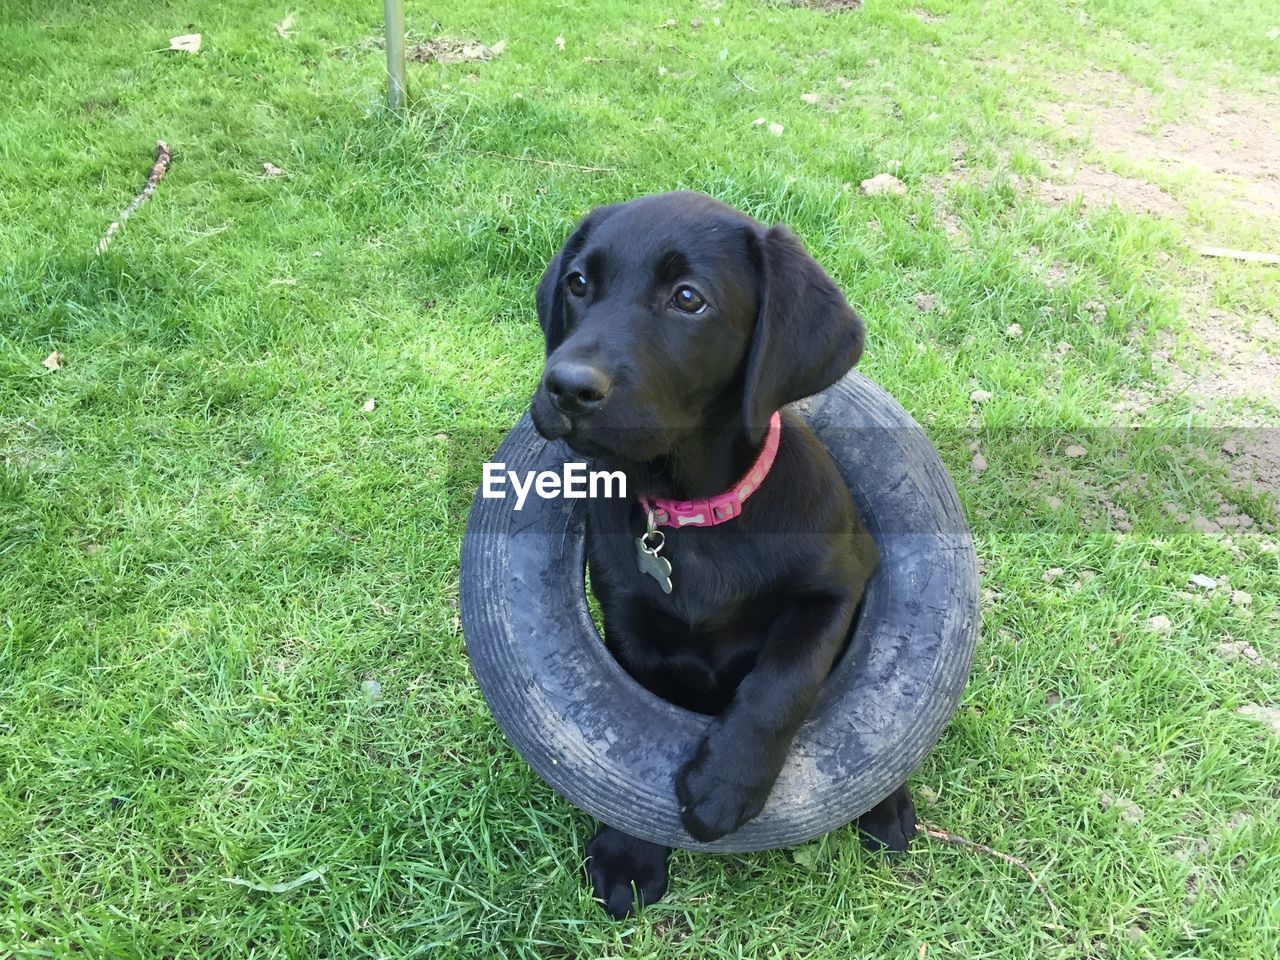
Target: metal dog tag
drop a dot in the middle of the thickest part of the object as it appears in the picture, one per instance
(648, 545)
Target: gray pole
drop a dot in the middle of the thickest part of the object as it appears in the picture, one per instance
(395, 55)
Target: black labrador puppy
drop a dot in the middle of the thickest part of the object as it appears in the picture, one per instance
(675, 328)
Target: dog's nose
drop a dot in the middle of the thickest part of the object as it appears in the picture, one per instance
(577, 388)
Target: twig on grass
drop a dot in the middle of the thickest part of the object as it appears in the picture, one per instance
(157, 174)
(545, 163)
(947, 837)
(1249, 256)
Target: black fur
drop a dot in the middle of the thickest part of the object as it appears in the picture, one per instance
(680, 402)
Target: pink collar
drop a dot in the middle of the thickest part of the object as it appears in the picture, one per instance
(723, 506)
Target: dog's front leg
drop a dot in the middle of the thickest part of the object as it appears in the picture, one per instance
(728, 779)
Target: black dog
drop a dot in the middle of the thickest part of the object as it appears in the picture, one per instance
(675, 327)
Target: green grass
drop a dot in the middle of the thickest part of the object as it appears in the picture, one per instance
(206, 545)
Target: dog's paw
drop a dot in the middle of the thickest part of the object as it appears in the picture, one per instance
(712, 801)
(625, 872)
(890, 824)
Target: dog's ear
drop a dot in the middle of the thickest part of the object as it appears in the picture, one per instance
(550, 296)
(806, 335)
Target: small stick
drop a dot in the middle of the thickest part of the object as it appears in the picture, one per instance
(946, 837)
(157, 173)
(545, 163)
(1250, 256)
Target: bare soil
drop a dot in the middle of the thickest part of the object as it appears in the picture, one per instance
(1229, 145)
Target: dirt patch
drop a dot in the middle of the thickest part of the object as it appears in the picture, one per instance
(1229, 146)
(1233, 651)
(1240, 368)
(830, 6)
(943, 212)
(1245, 363)
(1269, 716)
(1226, 149)
(1093, 187)
(1251, 457)
(25, 447)
(1242, 363)
(1096, 188)
(1253, 460)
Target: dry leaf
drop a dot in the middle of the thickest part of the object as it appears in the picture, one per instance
(559, 43)
(369, 405)
(285, 26)
(1200, 580)
(810, 855)
(271, 170)
(883, 183)
(445, 51)
(283, 282)
(53, 361)
(1160, 623)
(187, 43)
(1075, 451)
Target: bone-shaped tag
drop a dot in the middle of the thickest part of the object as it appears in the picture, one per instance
(649, 562)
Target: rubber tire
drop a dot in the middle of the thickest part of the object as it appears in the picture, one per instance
(611, 748)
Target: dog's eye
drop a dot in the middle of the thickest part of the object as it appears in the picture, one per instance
(689, 300)
(576, 283)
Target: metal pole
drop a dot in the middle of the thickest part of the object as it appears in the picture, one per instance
(395, 55)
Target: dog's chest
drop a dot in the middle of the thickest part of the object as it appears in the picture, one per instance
(712, 574)
(693, 645)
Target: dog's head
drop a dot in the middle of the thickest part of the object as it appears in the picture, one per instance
(673, 313)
